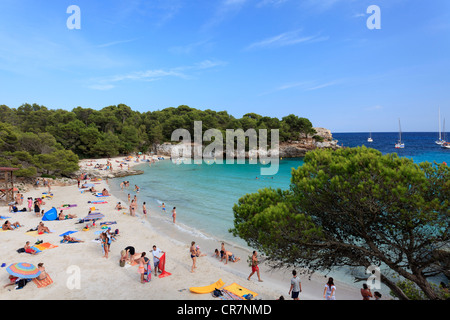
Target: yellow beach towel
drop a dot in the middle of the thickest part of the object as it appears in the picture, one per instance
(207, 289)
(239, 290)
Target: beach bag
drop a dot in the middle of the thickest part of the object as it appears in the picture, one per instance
(22, 283)
(122, 263)
(217, 293)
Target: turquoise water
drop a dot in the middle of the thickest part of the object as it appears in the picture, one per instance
(203, 194)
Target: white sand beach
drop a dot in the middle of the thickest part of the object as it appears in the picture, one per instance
(79, 270)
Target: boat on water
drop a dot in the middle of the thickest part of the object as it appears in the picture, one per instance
(440, 141)
(399, 144)
(369, 139)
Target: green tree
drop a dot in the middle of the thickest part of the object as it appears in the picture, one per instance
(354, 207)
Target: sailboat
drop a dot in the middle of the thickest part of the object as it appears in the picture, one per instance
(369, 139)
(399, 144)
(444, 143)
(440, 141)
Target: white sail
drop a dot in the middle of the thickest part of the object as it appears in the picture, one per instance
(399, 144)
(440, 141)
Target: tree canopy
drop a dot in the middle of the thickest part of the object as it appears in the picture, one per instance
(354, 207)
(112, 131)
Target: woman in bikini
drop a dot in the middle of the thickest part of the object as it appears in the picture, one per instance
(142, 262)
(10, 226)
(193, 251)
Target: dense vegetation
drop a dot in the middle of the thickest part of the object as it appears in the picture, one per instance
(40, 140)
(356, 207)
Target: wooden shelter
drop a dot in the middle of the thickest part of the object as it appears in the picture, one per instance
(7, 184)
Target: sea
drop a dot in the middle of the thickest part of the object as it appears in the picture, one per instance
(204, 194)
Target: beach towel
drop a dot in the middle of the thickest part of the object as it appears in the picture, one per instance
(227, 295)
(148, 272)
(44, 282)
(239, 290)
(35, 233)
(209, 288)
(162, 266)
(45, 246)
(98, 202)
(67, 233)
(108, 223)
(36, 249)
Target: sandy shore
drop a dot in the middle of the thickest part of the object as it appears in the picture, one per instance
(79, 270)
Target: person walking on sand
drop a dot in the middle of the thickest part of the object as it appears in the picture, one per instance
(193, 252)
(296, 286)
(174, 214)
(255, 267)
(330, 290)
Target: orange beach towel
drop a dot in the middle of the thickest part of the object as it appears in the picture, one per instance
(43, 283)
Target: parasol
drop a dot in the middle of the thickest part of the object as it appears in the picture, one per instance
(23, 270)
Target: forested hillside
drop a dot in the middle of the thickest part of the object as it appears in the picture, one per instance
(41, 140)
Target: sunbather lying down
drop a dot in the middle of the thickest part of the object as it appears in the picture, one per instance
(67, 239)
(10, 226)
(62, 216)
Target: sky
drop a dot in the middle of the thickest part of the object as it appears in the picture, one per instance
(316, 59)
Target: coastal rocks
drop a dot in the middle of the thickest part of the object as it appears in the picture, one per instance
(324, 133)
(291, 149)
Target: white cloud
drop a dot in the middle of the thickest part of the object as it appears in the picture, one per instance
(113, 43)
(285, 39)
(224, 10)
(183, 72)
(275, 3)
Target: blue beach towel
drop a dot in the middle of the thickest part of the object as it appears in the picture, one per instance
(67, 233)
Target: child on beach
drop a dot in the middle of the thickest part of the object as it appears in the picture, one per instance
(28, 249)
(144, 210)
(174, 214)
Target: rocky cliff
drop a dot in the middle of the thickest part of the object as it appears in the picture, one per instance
(291, 149)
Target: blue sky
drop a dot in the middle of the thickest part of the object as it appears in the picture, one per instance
(314, 58)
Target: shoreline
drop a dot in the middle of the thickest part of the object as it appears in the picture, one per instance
(98, 276)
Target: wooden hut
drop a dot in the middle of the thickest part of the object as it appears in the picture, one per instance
(7, 184)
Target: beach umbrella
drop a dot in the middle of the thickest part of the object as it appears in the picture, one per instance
(23, 270)
(94, 216)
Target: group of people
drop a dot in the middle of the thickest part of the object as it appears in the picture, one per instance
(226, 255)
(129, 255)
(329, 291)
